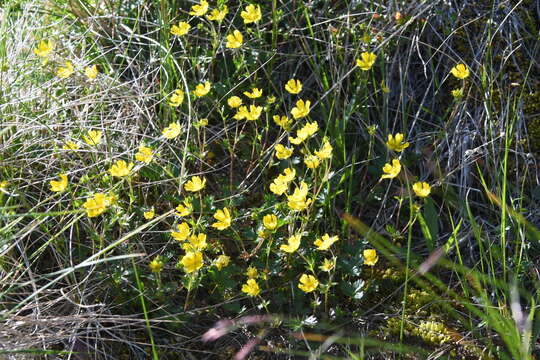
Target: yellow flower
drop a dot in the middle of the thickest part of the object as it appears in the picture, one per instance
(251, 14)
(293, 86)
(288, 174)
(218, 15)
(308, 283)
(171, 131)
(283, 152)
(196, 242)
(282, 121)
(200, 9)
(93, 137)
(292, 244)
(325, 152)
(202, 89)
(234, 40)
(370, 257)
(457, 93)
(460, 71)
(201, 123)
(195, 184)
(325, 242)
(184, 209)
(311, 161)
(297, 201)
(251, 272)
(192, 261)
(304, 133)
(251, 288)
(44, 48)
(145, 154)
(422, 189)
(3, 185)
(270, 222)
(396, 142)
(97, 205)
(242, 113)
(120, 168)
(234, 101)
(255, 93)
(254, 112)
(327, 265)
(278, 187)
(91, 72)
(182, 233)
(222, 261)
(149, 215)
(176, 98)
(270, 99)
(181, 29)
(391, 171)
(156, 265)
(223, 218)
(65, 71)
(301, 109)
(366, 61)
(70, 145)
(58, 186)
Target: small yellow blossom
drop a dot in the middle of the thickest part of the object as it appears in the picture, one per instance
(325, 242)
(93, 137)
(457, 93)
(254, 112)
(308, 283)
(311, 161)
(255, 93)
(192, 261)
(251, 272)
(292, 244)
(298, 201)
(304, 133)
(289, 174)
(270, 99)
(156, 265)
(202, 89)
(422, 189)
(145, 154)
(278, 187)
(391, 170)
(120, 168)
(396, 142)
(301, 109)
(65, 71)
(172, 131)
(149, 215)
(44, 48)
(97, 205)
(176, 98)
(293, 86)
(370, 257)
(91, 72)
(181, 29)
(223, 217)
(366, 61)
(282, 121)
(234, 101)
(61, 185)
(70, 145)
(327, 265)
(3, 185)
(325, 152)
(195, 184)
(242, 113)
(199, 9)
(251, 14)
(234, 40)
(182, 232)
(201, 123)
(222, 261)
(251, 288)
(283, 152)
(461, 71)
(196, 242)
(184, 209)
(218, 15)
(270, 222)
